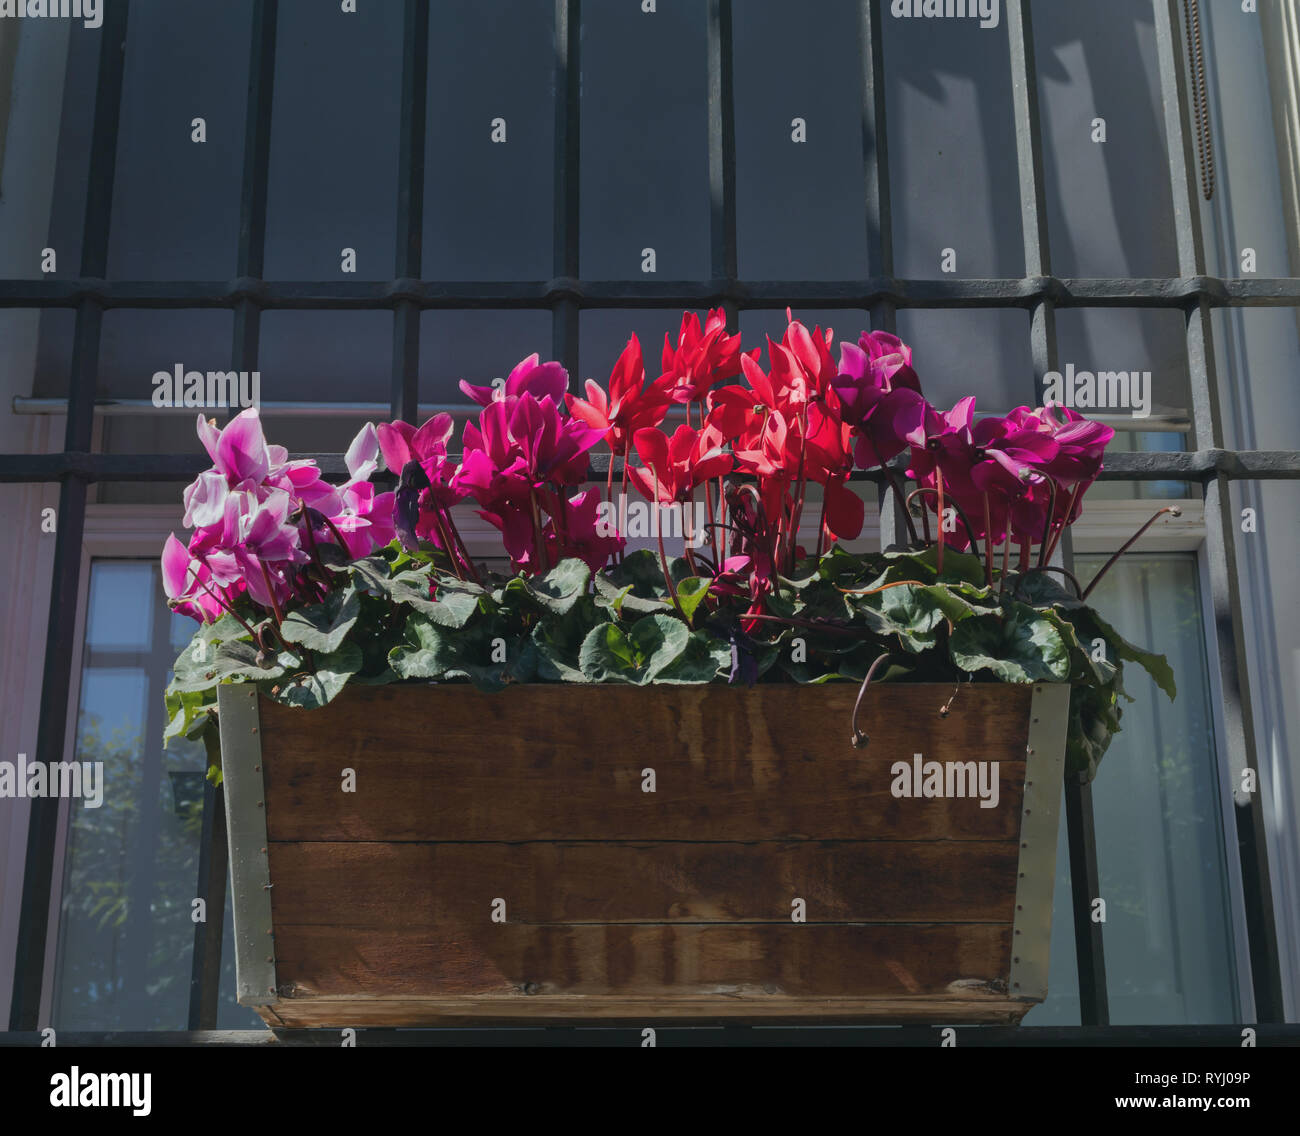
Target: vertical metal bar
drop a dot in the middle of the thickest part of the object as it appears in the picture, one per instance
(410, 208)
(1094, 1006)
(722, 154)
(1085, 877)
(568, 172)
(880, 229)
(205, 980)
(60, 645)
(205, 969)
(875, 160)
(1220, 528)
(252, 196)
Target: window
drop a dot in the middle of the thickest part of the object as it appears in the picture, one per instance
(367, 207)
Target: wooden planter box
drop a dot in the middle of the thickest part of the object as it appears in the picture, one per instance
(500, 862)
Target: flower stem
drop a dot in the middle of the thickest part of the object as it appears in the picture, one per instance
(663, 557)
(1044, 558)
(444, 539)
(938, 474)
(1172, 510)
(898, 492)
(988, 544)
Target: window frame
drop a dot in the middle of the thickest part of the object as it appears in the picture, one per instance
(77, 467)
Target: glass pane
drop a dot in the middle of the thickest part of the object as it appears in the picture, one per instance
(326, 356)
(334, 141)
(175, 199)
(137, 344)
(477, 346)
(800, 212)
(75, 87)
(952, 148)
(489, 154)
(1159, 812)
(1105, 165)
(119, 615)
(1128, 367)
(645, 146)
(962, 352)
(125, 939)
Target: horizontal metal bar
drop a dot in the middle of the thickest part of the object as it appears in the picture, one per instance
(1229, 1036)
(381, 411)
(1025, 293)
(1202, 465)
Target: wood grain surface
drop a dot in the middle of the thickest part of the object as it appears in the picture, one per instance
(625, 905)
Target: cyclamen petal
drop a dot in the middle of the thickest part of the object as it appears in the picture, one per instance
(241, 452)
(362, 457)
(205, 499)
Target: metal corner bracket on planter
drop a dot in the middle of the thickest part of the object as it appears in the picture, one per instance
(430, 855)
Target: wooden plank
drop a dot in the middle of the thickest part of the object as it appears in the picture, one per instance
(526, 1010)
(565, 762)
(416, 885)
(667, 961)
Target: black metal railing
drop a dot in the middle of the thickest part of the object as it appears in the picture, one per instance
(566, 295)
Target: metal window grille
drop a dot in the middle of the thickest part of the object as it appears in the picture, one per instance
(566, 295)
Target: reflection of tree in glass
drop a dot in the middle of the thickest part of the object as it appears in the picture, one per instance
(126, 936)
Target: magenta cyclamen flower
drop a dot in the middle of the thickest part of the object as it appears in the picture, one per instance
(880, 397)
(541, 380)
(1080, 444)
(518, 445)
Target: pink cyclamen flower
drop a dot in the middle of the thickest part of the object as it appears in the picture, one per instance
(188, 584)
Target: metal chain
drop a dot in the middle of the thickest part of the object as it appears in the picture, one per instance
(1200, 96)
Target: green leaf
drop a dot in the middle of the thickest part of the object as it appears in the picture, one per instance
(435, 652)
(1021, 646)
(912, 612)
(1040, 589)
(372, 575)
(558, 640)
(703, 659)
(655, 643)
(316, 688)
(323, 626)
(556, 660)
(1084, 667)
(560, 588)
(1157, 666)
(607, 655)
(923, 566)
(919, 611)
(621, 601)
(658, 641)
(426, 651)
(690, 594)
(642, 570)
(187, 712)
(237, 661)
(453, 604)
